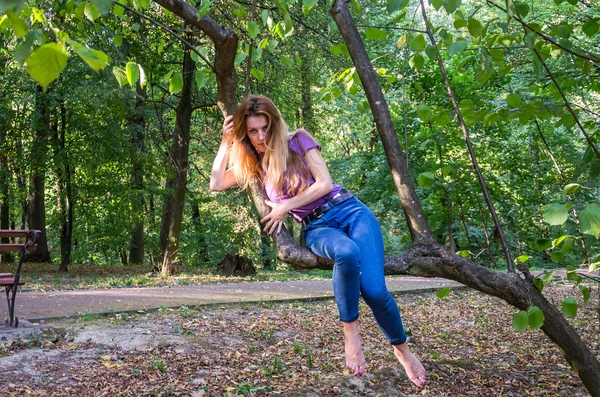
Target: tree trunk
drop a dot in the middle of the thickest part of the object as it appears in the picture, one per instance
(62, 170)
(197, 222)
(5, 178)
(137, 130)
(170, 229)
(36, 205)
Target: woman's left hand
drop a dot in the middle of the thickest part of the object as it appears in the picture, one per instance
(274, 221)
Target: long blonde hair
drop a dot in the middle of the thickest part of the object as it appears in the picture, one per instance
(278, 165)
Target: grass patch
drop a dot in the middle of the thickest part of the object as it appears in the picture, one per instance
(46, 277)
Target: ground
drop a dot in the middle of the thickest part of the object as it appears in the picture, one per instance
(465, 340)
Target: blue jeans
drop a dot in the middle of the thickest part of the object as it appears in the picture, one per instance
(350, 236)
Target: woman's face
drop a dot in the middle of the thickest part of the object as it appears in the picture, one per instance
(256, 129)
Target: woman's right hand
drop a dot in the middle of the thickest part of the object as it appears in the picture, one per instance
(228, 133)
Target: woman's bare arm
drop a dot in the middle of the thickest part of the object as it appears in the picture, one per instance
(222, 178)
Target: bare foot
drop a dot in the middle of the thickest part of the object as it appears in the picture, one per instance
(355, 359)
(413, 367)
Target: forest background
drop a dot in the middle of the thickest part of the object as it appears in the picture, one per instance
(96, 152)
(110, 124)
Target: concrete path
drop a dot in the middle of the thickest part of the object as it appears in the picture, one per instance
(34, 306)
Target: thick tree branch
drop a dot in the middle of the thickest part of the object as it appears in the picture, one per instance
(417, 223)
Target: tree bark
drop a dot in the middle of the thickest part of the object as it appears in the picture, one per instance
(5, 178)
(64, 191)
(137, 130)
(172, 218)
(36, 205)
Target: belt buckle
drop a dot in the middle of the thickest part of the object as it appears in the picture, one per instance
(317, 213)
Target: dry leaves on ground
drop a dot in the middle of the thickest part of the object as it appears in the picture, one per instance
(466, 342)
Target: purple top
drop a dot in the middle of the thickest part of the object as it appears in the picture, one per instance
(301, 142)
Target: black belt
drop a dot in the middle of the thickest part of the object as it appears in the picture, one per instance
(318, 212)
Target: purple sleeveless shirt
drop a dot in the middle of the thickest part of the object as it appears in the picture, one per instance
(301, 142)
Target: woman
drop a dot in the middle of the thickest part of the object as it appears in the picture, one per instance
(258, 146)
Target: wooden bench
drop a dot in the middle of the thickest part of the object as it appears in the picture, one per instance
(11, 281)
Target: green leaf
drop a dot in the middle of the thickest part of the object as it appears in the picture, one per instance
(567, 245)
(103, 6)
(395, 5)
(437, 4)
(91, 12)
(543, 244)
(94, 58)
(416, 62)
(118, 11)
(424, 112)
(523, 258)
(287, 60)
(6, 5)
(253, 29)
(307, 5)
(556, 214)
(363, 106)
(475, 27)
(25, 48)
(571, 188)
(520, 321)
(559, 240)
(594, 266)
(432, 52)
(590, 27)
(19, 26)
(425, 179)
(569, 307)
(457, 47)
(464, 253)
(490, 118)
(585, 291)
(418, 43)
(176, 83)
(401, 41)
(133, 73)
(589, 220)
(258, 74)
(536, 317)
(120, 75)
(200, 79)
(203, 9)
(46, 63)
(522, 8)
(460, 23)
(513, 100)
(556, 257)
(376, 34)
(442, 293)
(539, 284)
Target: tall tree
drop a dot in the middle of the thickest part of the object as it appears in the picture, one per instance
(176, 184)
(36, 200)
(137, 126)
